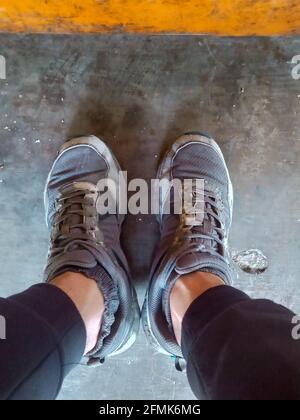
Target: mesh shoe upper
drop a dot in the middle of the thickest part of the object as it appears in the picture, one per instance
(84, 241)
(188, 247)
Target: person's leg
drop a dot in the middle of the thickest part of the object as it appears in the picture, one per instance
(49, 328)
(45, 338)
(88, 305)
(235, 347)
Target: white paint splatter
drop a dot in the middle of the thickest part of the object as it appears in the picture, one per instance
(252, 261)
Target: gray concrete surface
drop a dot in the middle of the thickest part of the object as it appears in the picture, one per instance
(139, 94)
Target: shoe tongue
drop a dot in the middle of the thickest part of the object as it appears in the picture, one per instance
(75, 254)
(74, 219)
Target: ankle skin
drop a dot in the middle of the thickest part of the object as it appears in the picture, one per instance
(88, 299)
(185, 291)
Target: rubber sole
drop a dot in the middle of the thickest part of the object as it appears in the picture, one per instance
(134, 330)
(152, 340)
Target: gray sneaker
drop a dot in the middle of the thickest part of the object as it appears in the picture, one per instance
(84, 241)
(184, 247)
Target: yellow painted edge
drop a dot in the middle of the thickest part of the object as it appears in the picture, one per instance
(219, 17)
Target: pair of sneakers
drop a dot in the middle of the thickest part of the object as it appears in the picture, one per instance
(83, 240)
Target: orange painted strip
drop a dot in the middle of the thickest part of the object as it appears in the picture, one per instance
(220, 17)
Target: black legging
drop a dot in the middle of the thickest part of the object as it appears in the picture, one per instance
(235, 347)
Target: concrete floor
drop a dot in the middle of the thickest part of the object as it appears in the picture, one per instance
(139, 94)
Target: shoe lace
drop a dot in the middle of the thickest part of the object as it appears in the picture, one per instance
(75, 225)
(205, 233)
